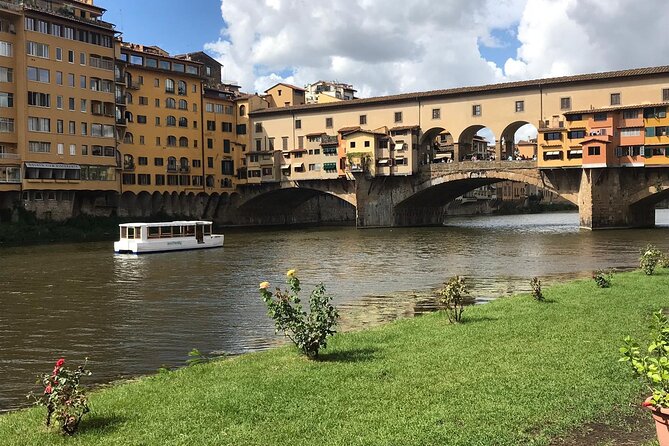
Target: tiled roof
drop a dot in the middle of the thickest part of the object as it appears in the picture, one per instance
(616, 108)
(294, 87)
(403, 127)
(404, 97)
(313, 135)
(349, 129)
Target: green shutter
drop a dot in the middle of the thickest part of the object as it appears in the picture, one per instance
(650, 131)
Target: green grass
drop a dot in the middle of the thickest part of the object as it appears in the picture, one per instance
(516, 372)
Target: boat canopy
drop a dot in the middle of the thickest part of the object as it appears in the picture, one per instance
(166, 223)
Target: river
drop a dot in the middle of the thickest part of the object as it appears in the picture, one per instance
(131, 315)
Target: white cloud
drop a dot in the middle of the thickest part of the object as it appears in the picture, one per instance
(563, 37)
(394, 46)
(379, 46)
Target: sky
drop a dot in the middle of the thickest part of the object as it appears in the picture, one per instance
(398, 46)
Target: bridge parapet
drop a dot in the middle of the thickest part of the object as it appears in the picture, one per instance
(440, 169)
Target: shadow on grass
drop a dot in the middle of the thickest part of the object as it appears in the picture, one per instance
(100, 424)
(355, 355)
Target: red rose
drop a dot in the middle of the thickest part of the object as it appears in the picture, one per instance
(60, 362)
(48, 389)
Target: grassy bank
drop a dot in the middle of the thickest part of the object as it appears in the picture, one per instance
(516, 372)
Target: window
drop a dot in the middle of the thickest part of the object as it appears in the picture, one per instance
(70, 80)
(367, 144)
(270, 142)
(241, 129)
(565, 103)
(352, 145)
(141, 119)
(242, 109)
(38, 49)
(476, 110)
(258, 145)
(630, 114)
(157, 161)
(211, 126)
(59, 126)
(36, 99)
(328, 123)
(6, 74)
(84, 129)
(576, 134)
(520, 106)
(59, 54)
(169, 86)
(59, 102)
(436, 113)
(226, 127)
(170, 103)
(143, 100)
(72, 128)
(284, 143)
(593, 150)
(665, 94)
(171, 141)
(73, 149)
(630, 132)
(600, 117)
(6, 125)
(298, 123)
(70, 56)
(258, 127)
(183, 122)
(398, 116)
(615, 98)
(183, 104)
(38, 74)
(650, 131)
(39, 147)
(39, 124)
(82, 58)
(171, 121)
(181, 88)
(552, 136)
(363, 120)
(183, 142)
(70, 103)
(6, 49)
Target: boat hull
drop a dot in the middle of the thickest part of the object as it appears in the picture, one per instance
(167, 245)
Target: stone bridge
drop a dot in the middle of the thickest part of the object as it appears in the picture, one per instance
(611, 197)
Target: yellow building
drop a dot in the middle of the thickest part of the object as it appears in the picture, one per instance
(285, 95)
(57, 129)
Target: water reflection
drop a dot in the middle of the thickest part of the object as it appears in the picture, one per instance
(133, 314)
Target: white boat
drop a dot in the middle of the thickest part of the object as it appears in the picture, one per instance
(141, 238)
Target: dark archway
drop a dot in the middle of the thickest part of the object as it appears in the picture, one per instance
(515, 133)
(475, 143)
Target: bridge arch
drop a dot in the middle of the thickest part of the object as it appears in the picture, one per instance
(436, 145)
(507, 140)
(469, 146)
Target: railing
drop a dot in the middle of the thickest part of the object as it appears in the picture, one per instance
(63, 11)
(172, 168)
(184, 169)
(120, 100)
(329, 139)
(133, 85)
(10, 156)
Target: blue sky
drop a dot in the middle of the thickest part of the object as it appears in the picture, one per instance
(174, 25)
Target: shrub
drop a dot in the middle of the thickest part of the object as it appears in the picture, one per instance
(664, 261)
(535, 283)
(65, 401)
(602, 278)
(308, 331)
(453, 298)
(651, 364)
(650, 257)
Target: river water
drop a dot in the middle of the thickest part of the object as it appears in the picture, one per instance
(131, 315)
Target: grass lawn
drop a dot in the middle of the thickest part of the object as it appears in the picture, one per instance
(516, 372)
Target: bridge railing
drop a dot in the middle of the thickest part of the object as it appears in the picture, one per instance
(477, 165)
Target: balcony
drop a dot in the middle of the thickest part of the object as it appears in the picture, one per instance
(121, 100)
(121, 121)
(184, 169)
(172, 169)
(9, 156)
(328, 139)
(133, 85)
(65, 11)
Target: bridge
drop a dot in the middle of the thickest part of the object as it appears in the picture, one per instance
(420, 199)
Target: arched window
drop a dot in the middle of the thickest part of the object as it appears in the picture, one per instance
(128, 116)
(183, 163)
(128, 162)
(182, 89)
(183, 104)
(171, 163)
(183, 122)
(170, 103)
(183, 142)
(128, 79)
(172, 141)
(128, 97)
(169, 86)
(171, 121)
(128, 138)
(210, 181)
(242, 110)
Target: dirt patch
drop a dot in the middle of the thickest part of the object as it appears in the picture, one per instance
(636, 430)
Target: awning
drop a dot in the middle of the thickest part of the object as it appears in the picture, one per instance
(297, 165)
(440, 156)
(399, 146)
(552, 153)
(383, 161)
(54, 166)
(285, 166)
(576, 152)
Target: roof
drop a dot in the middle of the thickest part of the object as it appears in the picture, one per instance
(534, 83)
(403, 127)
(595, 139)
(349, 129)
(166, 223)
(294, 87)
(616, 108)
(359, 130)
(312, 135)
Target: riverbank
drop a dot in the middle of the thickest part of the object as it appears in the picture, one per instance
(515, 372)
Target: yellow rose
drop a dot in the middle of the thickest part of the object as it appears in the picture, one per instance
(291, 273)
(264, 285)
